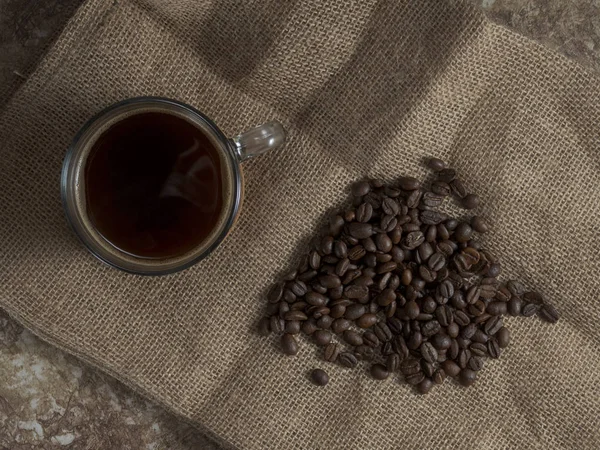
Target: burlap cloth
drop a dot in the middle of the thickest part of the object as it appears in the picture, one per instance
(364, 88)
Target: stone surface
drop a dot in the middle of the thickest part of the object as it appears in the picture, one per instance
(51, 400)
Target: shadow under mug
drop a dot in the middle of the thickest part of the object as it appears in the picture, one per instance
(232, 150)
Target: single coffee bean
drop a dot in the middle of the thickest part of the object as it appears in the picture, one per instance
(340, 249)
(331, 352)
(322, 337)
(292, 327)
(383, 332)
(383, 242)
(427, 368)
(425, 386)
(463, 232)
(478, 349)
(441, 341)
(412, 309)
(440, 188)
(463, 342)
(379, 372)
(480, 337)
(277, 324)
(430, 328)
(410, 366)
(415, 378)
(468, 331)
(314, 260)
(481, 319)
(386, 267)
(413, 240)
(548, 313)
(493, 348)
(461, 318)
(366, 320)
(477, 309)
(264, 326)
(467, 377)
(415, 341)
(355, 292)
(471, 201)
(529, 309)
(316, 299)
(325, 321)
(432, 217)
(450, 368)
(503, 294)
(494, 270)
(479, 224)
(436, 164)
(463, 358)
(427, 274)
(289, 346)
(319, 377)
(327, 245)
(339, 325)
(336, 224)
(364, 353)
(515, 287)
(429, 352)
(330, 281)
(275, 293)
(353, 338)
(473, 294)
(349, 215)
(454, 349)
(355, 311)
(496, 308)
(307, 276)
(295, 315)
(445, 289)
(364, 212)
(458, 300)
(309, 326)
(492, 325)
(361, 189)
(390, 206)
(370, 339)
(503, 337)
(446, 175)
(347, 359)
(342, 266)
(453, 329)
(409, 183)
(475, 363)
(360, 230)
(458, 188)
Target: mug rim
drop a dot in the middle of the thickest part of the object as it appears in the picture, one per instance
(229, 152)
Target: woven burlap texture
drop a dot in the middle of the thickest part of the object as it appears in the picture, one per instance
(364, 88)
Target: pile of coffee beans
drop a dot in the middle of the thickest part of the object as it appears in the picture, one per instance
(397, 283)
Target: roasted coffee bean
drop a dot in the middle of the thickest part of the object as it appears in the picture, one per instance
(349, 215)
(473, 294)
(428, 305)
(289, 296)
(463, 357)
(370, 339)
(422, 317)
(316, 299)
(289, 346)
(315, 286)
(339, 325)
(322, 337)
(494, 270)
(366, 320)
(336, 224)
(503, 294)
(388, 224)
(271, 309)
(479, 224)
(364, 212)
(277, 324)
(458, 188)
(387, 348)
(458, 300)
(383, 332)
(386, 267)
(392, 362)
(441, 341)
(453, 350)
(463, 232)
(318, 311)
(440, 188)
(413, 240)
(390, 310)
(450, 368)
(468, 331)
(309, 326)
(383, 242)
(314, 259)
(360, 230)
(463, 342)
(475, 363)
(386, 297)
(373, 308)
(399, 346)
(515, 287)
(443, 232)
(432, 217)
(461, 318)
(390, 206)
(429, 352)
(284, 308)
(413, 199)
(482, 318)
(493, 348)
(330, 281)
(324, 322)
(340, 249)
(369, 245)
(355, 292)
(264, 326)
(374, 199)
(548, 313)
(275, 293)
(430, 328)
(477, 308)
(427, 274)
(436, 164)
(446, 175)
(427, 368)
(353, 338)
(444, 315)
(292, 327)
(347, 359)
(492, 325)
(379, 371)
(471, 201)
(319, 377)
(415, 341)
(478, 349)
(496, 308)
(307, 276)
(436, 261)
(341, 267)
(415, 378)
(409, 183)
(331, 352)
(412, 309)
(410, 366)
(431, 200)
(503, 337)
(327, 245)
(467, 377)
(480, 337)
(445, 289)
(529, 309)
(364, 353)
(355, 311)
(453, 329)
(361, 188)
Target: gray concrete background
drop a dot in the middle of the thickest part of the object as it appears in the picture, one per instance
(50, 400)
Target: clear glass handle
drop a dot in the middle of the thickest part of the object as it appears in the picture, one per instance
(268, 136)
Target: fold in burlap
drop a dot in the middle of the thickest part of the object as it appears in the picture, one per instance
(365, 88)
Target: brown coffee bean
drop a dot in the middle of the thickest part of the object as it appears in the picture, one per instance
(331, 352)
(529, 309)
(295, 315)
(339, 325)
(467, 377)
(409, 183)
(436, 164)
(514, 306)
(319, 377)
(353, 338)
(503, 337)
(477, 309)
(492, 325)
(316, 299)
(415, 341)
(478, 349)
(355, 292)
(390, 206)
(355, 311)
(309, 326)
(325, 321)
(493, 348)
(415, 378)
(463, 232)
(515, 288)
(347, 359)
(336, 224)
(440, 188)
(383, 332)
(429, 352)
(427, 274)
(330, 281)
(503, 294)
(275, 293)
(480, 337)
(432, 217)
(430, 328)
(441, 341)
(292, 327)
(364, 212)
(289, 346)
(410, 366)
(473, 294)
(468, 331)
(450, 368)
(475, 363)
(461, 318)
(360, 230)
(453, 329)
(379, 372)
(548, 313)
(386, 267)
(479, 224)
(471, 201)
(446, 175)
(458, 188)
(463, 358)
(277, 324)
(413, 240)
(496, 308)
(322, 337)
(366, 320)
(370, 339)
(412, 310)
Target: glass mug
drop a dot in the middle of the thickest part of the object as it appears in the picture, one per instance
(82, 187)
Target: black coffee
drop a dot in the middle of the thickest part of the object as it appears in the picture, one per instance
(154, 186)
